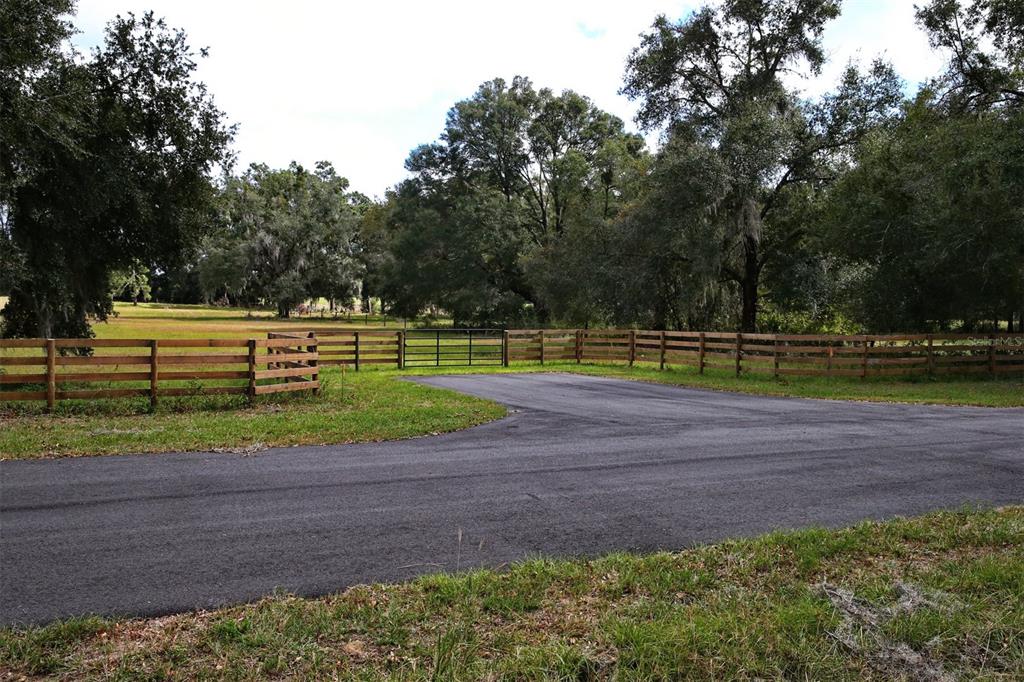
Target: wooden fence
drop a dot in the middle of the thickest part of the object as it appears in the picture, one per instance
(776, 354)
(356, 347)
(155, 368)
(54, 369)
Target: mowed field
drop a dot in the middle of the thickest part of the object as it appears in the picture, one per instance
(163, 321)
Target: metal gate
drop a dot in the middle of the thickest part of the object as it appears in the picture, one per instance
(453, 347)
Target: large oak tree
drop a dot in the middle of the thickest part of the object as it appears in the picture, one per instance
(719, 80)
(105, 160)
(476, 229)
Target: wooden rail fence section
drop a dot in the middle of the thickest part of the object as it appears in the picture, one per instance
(156, 368)
(49, 369)
(776, 354)
(360, 347)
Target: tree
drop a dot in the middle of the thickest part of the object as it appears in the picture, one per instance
(286, 236)
(715, 79)
(985, 41)
(132, 282)
(373, 248)
(454, 251)
(514, 170)
(931, 214)
(105, 161)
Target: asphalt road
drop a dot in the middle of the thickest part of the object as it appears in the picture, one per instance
(582, 466)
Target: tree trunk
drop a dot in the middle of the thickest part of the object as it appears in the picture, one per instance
(748, 285)
(44, 315)
(283, 309)
(542, 313)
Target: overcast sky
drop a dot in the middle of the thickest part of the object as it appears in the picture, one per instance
(362, 83)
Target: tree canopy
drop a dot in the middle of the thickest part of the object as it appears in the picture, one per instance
(285, 236)
(514, 172)
(716, 80)
(867, 208)
(106, 160)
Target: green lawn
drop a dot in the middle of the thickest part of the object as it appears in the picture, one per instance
(369, 406)
(935, 597)
(1006, 391)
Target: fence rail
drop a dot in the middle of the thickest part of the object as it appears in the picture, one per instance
(155, 368)
(356, 347)
(777, 354)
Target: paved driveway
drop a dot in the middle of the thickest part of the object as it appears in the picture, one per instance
(582, 466)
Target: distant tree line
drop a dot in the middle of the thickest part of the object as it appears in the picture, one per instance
(862, 209)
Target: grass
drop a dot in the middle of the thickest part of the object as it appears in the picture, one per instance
(369, 407)
(172, 321)
(374, 405)
(949, 390)
(919, 598)
(167, 321)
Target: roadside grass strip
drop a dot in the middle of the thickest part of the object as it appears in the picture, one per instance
(936, 597)
(375, 404)
(372, 406)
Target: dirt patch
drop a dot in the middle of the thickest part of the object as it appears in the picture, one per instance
(243, 449)
(861, 625)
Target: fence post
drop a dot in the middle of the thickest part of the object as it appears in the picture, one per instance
(252, 370)
(700, 354)
(400, 337)
(579, 346)
(864, 359)
(356, 334)
(739, 352)
(831, 353)
(314, 364)
(154, 372)
(931, 356)
(992, 354)
(504, 348)
(51, 373)
(542, 346)
(632, 346)
(775, 356)
(661, 359)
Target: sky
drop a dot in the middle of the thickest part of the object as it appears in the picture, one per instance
(360, 84)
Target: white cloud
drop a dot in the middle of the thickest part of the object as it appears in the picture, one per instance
(360, 84)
